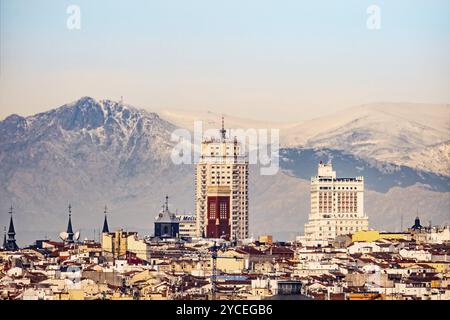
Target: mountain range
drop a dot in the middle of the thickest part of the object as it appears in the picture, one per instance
(409, 134)
(90, 153)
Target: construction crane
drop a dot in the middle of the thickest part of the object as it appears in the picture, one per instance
(214, 272)
(214, 257)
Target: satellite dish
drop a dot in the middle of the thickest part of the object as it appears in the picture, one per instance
(76, 236)
(63, 236)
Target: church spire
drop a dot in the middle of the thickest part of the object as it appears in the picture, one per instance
(105, 222)
(11, 230)
(11, 241)
(69, 227)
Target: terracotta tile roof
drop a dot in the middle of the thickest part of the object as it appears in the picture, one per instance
(248, 250)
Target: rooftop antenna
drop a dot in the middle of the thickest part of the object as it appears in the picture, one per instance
(4, 238)
(401, 223)
(417, 214)
(223, 131)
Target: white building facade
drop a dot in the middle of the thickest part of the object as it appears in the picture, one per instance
(337, 206)
(221, 192)
(187, 226)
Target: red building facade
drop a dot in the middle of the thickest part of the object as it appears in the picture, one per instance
(218, 213)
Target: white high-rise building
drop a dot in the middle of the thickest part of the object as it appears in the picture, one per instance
(337, 206)
(221, 191)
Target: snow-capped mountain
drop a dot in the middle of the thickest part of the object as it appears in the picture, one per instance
(91, 153)
(434, 158)
(392, 133)
(378, 176)
(88, 153)
(109, 127)
(413, 135)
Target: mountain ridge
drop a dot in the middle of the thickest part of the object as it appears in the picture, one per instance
(386, 132)
(91, 153)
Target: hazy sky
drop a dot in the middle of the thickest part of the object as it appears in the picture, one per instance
(277, 60)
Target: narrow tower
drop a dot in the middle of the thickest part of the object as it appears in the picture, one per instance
(221, 183)
(11, 241)
(69, 231)
(105, 222)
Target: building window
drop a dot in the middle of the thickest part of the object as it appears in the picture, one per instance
(212, 210)
(223, 210)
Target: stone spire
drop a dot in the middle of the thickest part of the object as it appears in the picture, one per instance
(69, 231)
(11, 230)
(105, 222)
(11, 241)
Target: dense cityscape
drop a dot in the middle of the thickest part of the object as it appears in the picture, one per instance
(210, 256)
